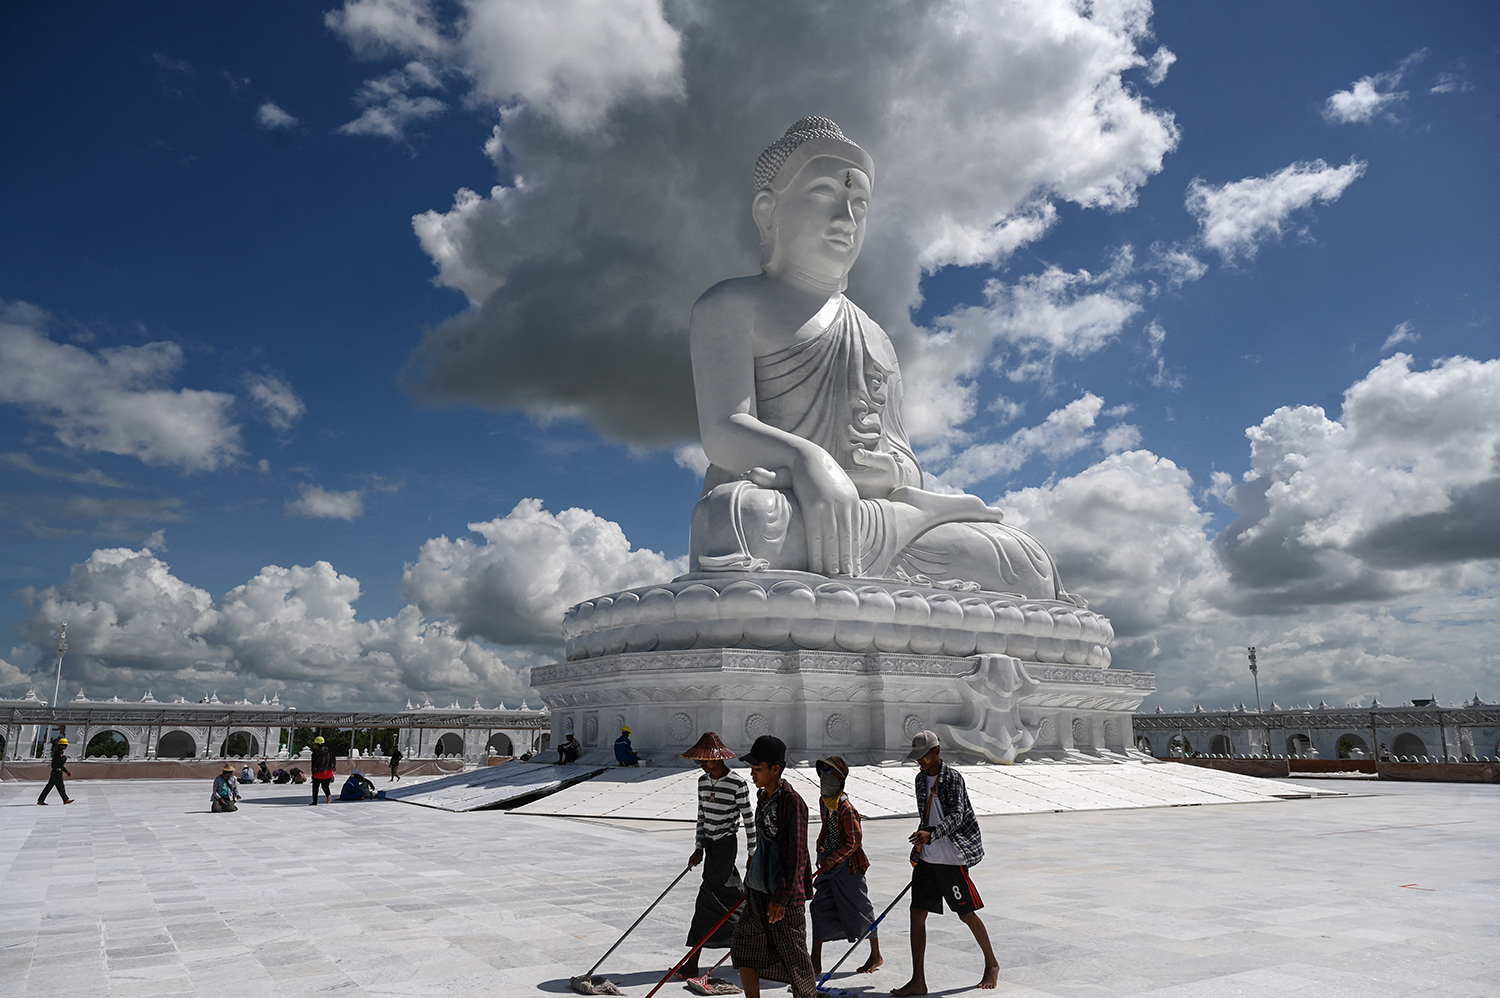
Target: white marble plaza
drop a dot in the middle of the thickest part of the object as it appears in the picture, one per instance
(137, 890)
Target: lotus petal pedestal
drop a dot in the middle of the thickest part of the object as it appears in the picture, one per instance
(852, 667)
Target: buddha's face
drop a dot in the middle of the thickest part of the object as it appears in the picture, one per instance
(817, 224)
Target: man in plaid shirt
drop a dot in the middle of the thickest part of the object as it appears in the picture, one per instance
(943, 848)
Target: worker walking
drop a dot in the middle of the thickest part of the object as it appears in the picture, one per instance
(723, 805)
(840, 906)
(943, 848)
(322, 764)
(59, 770)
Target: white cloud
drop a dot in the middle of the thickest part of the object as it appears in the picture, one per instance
(1367, 98)
(1370, 96)
(277, 400)
(317, 502)
(1156, 335)
(570, 61)
(1393, 498)
(1161, 61)
(273, 118)
(1064, 432)
(114, 399)
(691, 457)
(1451, 83)
(513, 586)
(1403, 333)
(132, 624)
(980, 120)
(1178, 265)
(1236, 218)
(388, 106)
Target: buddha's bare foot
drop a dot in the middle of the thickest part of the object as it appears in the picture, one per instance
(917, 986)
(871, 965)
(942, 508)
(990, 979)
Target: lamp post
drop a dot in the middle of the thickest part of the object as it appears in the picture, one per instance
(1255, 675)
(62, 649)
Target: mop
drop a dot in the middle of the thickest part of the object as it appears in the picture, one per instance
(828, 992)
(588, 984)
(704, 984)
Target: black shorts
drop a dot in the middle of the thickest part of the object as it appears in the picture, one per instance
(934, 883)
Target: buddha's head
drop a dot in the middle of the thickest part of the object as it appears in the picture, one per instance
(812, 188)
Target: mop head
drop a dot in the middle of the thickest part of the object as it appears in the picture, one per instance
(594, 986)
(828, 992)
(711, 986)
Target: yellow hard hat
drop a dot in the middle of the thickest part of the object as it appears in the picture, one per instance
(62, 741)
(318, 740)
(624, 729)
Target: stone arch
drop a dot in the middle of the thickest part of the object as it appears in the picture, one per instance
(1179, 745)
(452, 743)
(1219, 745)
(107, 744)
(500, 744)
(1143, 743)
(176, 744)
(1408, 744)
(1349, 743)
(241, 743)
(1298, 744)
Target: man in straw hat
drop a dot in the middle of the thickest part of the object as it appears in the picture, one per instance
(770, 940)
(225, 792)
(59, 770)
(943, 849)
(840, 906)
(723, 805)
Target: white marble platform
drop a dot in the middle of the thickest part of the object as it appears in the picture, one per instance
(886, 791)
(136, 890)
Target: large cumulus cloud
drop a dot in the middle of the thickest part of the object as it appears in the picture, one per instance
(615, 210)
(133, 624)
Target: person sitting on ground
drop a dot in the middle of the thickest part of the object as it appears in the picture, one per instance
(625, 754)
(840, 906)
(297, 775)
(247, 775)
(264, 772)
(225, 791)
(357, 787)
(569, 750)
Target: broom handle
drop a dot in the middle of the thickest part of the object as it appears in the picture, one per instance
(638, 921)
(707, 936)
(862, 938)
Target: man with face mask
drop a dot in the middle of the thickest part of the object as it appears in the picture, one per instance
(841, 906)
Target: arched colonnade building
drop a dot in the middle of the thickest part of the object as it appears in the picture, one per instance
(151, 729)
(1421, 731)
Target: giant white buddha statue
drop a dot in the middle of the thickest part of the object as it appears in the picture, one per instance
(799, 406)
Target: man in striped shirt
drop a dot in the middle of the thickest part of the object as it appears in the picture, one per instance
(723, 805)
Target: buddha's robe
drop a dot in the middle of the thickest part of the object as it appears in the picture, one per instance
(841, 389)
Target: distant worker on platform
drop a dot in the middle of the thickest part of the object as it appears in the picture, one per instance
(225, 792)
(59, 770)
(321, 764)
(943, 849)
(569, 750)
(396, 758)
(625, 754)
(723, 805)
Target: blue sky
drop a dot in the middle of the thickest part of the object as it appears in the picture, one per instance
(295, 294)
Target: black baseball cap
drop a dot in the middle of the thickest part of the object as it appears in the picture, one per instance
(767, 749)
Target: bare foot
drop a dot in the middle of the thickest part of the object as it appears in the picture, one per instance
(916, 987)
(871, 965)
(990, 979)
(943, 508)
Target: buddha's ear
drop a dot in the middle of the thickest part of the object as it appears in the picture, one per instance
(762, 208)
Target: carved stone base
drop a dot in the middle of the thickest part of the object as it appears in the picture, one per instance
(864, 706)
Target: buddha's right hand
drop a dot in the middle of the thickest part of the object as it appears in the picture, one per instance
(830, 513)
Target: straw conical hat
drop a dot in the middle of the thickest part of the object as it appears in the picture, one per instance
(709, 747)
